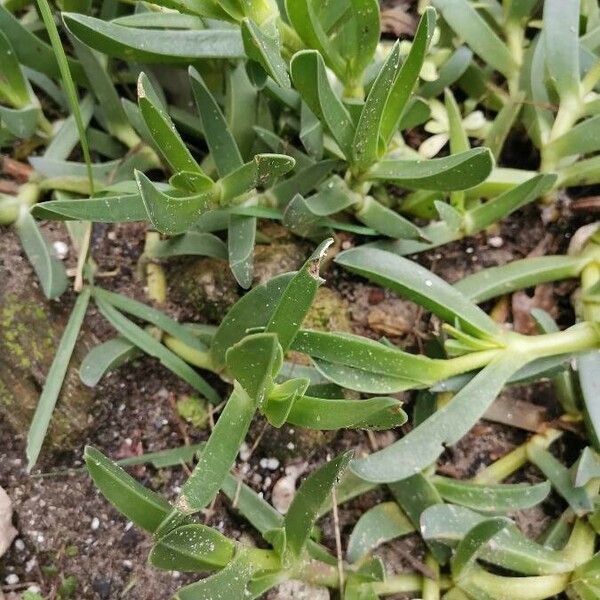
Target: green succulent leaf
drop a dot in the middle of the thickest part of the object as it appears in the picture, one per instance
(230, 582)
(509, 549)
(241, 234)
(418, 284)
(580, 139)
(172, 215)
(145, 508)
(424, 444)
(106, 357)
(380, 524)
(31, 51)
(520, 274)
(264, 49)
(14, 89)
(560, 478)
(297, 298)
(332, 414)
(222, 146)
(254, 362)
(561, 38)
(473, 28)
(309, 498)
(310, 79)
(109, 209)
(161, 46)
(49, 269)
(162, 130)
(219, 453)
(588, 467)
(457, 172)
(192, 547)
(191, 243)
(498, 498)
(587, 370)
(406, 79)
(472, 544)
(368, 130)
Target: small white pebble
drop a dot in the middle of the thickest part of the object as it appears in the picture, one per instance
(12, 579)
(60, 250)
(470, 250)
(244, 452)
(40, 539)
(19, 545)
(496, 242)
(95, 523)
(271, 464)
(290, 446)
(34, 589)
(127, 564)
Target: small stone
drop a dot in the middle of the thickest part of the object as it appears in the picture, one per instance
(272, 464)
(60, 250)
(496, 241)
(298, 590)
(19, 545)
(12, 579)
(7, 531)
(95, 523)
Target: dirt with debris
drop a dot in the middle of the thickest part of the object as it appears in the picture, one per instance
(67, 533)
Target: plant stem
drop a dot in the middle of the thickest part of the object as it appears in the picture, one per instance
(580, 337)
(518, 588)
(405, 583)
(194, 357)
(510, 463)
(431, 587)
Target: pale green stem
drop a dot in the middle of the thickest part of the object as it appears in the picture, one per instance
(510, 463)
(518, 588)
(192, 356)
(405, 583)
(431, 587)
(581, 544)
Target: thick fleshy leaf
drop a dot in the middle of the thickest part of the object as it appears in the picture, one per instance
(472, 27)
(588, 467)
(414, 495)
(309, 498)
(54, 379)
(458, 172)
(588, 367)
(310, 79)
(580, 139)
(21, 122)
(424, 444)
(368, 355)
(219, 453)
(302, 181)
(110, 209)
(241, 235)
(387, 221)
(509, 549)
(327, 414)
(380, 524)
(407, 77)
(254, 361)
(498, 498)
(145, 508)
(49, 270)
(418, 284)
(13, 85)
(252, 311)
(297, 298)
(161, 127)
(230, 582)
(172, 215)
(368, 130)
(577, 497)
(223, 148)
(192, 547)
(473, 543)
(261, 171)
(264, 49)
(159, 46)
(143, 340)
(189, 244)
(519, 274)
(561, 37)
(106, 357)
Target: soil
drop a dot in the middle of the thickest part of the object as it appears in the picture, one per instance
(67, 530)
